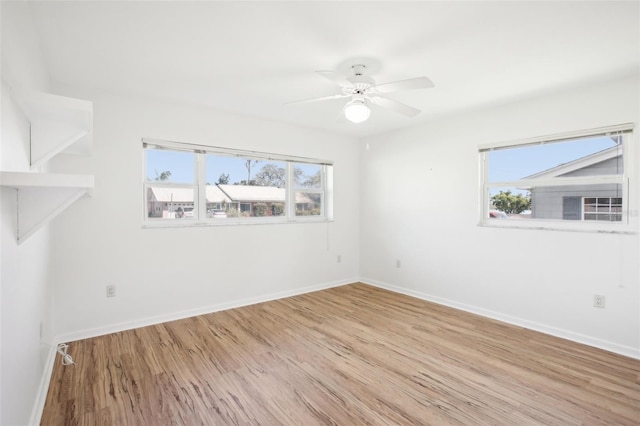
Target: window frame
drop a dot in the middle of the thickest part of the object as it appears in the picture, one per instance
(200, 202)
(627, 180)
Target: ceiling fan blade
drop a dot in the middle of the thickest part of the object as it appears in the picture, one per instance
(410, 84)
(323, 98)
(339, 79)
(395, 106)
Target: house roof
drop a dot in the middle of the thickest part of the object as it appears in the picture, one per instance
(260, 193)
(226, 193)
(173, 195)
(580, 163)
(215, 195)
(253, 193)
(185, 195)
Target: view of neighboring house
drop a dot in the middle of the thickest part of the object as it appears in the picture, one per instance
(165, 202)
(602, 202)
(234, 200)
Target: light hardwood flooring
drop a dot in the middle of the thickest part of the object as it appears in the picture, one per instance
(350, 355)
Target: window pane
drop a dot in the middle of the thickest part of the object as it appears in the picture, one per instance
(244, 187)
(163, 165)
(166, 202)
(308, 203)
(307, 176)
(581, 157)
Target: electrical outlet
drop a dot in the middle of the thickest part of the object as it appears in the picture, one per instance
(598, 301)
(111, 290)
(339, 258)
(398, 263)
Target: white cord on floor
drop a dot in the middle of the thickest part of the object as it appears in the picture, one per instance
(66, 358)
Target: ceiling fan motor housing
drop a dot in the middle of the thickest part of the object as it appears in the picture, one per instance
(361, 83)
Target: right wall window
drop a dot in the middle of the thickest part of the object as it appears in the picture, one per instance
(573, 180)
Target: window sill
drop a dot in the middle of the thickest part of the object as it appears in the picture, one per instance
(181, 223)
(551, 225)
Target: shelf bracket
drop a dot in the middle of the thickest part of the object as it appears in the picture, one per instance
(42, 196)
(37, 206)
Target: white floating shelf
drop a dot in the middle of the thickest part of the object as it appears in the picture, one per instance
(45, 180)
(58, 124)
(42, 196)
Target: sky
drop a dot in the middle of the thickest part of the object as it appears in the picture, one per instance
(182, 166)
(518, 163)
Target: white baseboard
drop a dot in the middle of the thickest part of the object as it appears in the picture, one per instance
(531, 325)
(158, 319)
(43, 389)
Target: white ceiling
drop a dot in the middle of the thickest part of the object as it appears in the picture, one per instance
(252, 57)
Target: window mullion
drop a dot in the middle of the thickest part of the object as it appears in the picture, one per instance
(201, 190)
(327, 180)
(290, 196)
(484, 185)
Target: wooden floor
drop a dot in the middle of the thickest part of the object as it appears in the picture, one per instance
(348, 356)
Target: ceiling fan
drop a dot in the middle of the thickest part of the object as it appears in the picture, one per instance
(363, 91)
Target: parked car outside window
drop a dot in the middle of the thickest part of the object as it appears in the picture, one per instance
(217, 214)
(497, 214)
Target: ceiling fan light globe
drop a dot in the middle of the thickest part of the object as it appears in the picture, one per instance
(357, 112)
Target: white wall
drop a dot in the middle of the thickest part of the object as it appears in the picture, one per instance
(420, 204)
(25, 296)
(163, 274)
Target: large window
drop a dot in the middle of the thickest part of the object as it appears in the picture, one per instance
(192, 184)
(577, 180)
